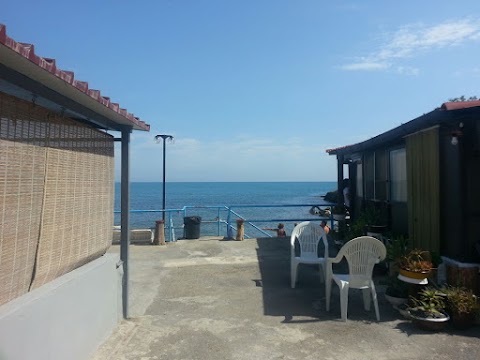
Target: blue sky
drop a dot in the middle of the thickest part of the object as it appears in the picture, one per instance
(257, 90)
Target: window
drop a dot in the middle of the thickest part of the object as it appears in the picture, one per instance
(398, 175)
(359, 185)
(369, 175)
(381, 174)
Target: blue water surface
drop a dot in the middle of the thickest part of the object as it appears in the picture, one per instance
(148, 196)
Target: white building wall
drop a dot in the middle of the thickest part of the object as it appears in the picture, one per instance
(67, 318)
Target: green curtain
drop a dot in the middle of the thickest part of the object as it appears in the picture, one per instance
(423, 189)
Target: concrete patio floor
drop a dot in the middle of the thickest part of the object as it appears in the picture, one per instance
(215, 299)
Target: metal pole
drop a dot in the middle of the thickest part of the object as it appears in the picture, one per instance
(164, 138)
(125, 217)
(163, 203)
(340, 200)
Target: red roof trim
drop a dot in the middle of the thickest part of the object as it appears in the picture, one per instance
(28, 52)
(455, 105)
(338, 148)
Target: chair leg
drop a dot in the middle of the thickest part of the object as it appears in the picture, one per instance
(322, 273)
(293, 274)
(328, 292)
(375, 301)
(366, 299)
(344, 301)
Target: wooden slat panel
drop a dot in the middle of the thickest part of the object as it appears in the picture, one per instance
(424, 189)
(56, 193)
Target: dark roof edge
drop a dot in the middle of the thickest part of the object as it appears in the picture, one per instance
(435, 117)
(414, 125)
(448, 111)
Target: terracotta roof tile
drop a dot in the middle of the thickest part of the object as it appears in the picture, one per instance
(455, 105)
(48, 64)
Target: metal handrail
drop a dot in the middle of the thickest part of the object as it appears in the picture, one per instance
(232, 216)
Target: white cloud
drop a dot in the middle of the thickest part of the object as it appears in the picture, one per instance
(408, 70)
(411, 40)
(365, 65)
(466, 72)
(237, 159)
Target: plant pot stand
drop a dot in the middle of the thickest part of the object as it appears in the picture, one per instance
(431, 324)
(415, 285)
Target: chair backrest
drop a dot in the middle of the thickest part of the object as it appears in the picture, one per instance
(308, 235)
(362, 253)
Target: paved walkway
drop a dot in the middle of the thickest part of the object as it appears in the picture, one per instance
(213, 299)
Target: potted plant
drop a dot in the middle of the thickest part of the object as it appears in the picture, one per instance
(396, 292)
(416, 264)
(375, 219)
(428, 310)
(339, 212)
(462, 306)
(396, 248)
(436, 260)
(403, 310)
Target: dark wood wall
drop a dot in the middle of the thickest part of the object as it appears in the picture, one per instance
(469, 146)
(451, 189)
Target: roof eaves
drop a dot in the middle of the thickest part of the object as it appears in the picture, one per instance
(395, 134)
(113, 110)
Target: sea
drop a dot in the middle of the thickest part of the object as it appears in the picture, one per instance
(207, 198)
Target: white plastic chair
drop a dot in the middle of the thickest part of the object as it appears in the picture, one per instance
(308, 235)
(361, 253)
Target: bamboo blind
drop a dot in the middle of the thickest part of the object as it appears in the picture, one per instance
(423, 189)
(56, 191)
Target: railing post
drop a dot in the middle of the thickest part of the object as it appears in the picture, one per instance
(240, 230)
(159, 238)
(172, 228)
(218, 222)
(229, 228)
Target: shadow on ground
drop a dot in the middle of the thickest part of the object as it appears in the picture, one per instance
(306, 302)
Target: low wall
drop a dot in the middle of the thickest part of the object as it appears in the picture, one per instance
(67, 318)
(137, 236)
(463, 274)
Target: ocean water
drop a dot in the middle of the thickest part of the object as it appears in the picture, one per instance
(148, 196)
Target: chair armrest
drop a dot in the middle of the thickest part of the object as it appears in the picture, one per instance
(336, 259)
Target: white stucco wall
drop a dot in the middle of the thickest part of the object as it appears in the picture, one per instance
(67, 318)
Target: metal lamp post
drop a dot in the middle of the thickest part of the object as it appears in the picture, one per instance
(164, 137)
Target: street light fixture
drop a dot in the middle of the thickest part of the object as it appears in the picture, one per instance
(164, 138)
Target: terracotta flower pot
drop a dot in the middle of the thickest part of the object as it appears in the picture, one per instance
(414, 274)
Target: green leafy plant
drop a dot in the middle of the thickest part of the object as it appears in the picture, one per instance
(396, 288)
(416, 260)
(369, 216)
(429, 304)
(460, 301)
(436, 259)
(374, 216)
(396, 248)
